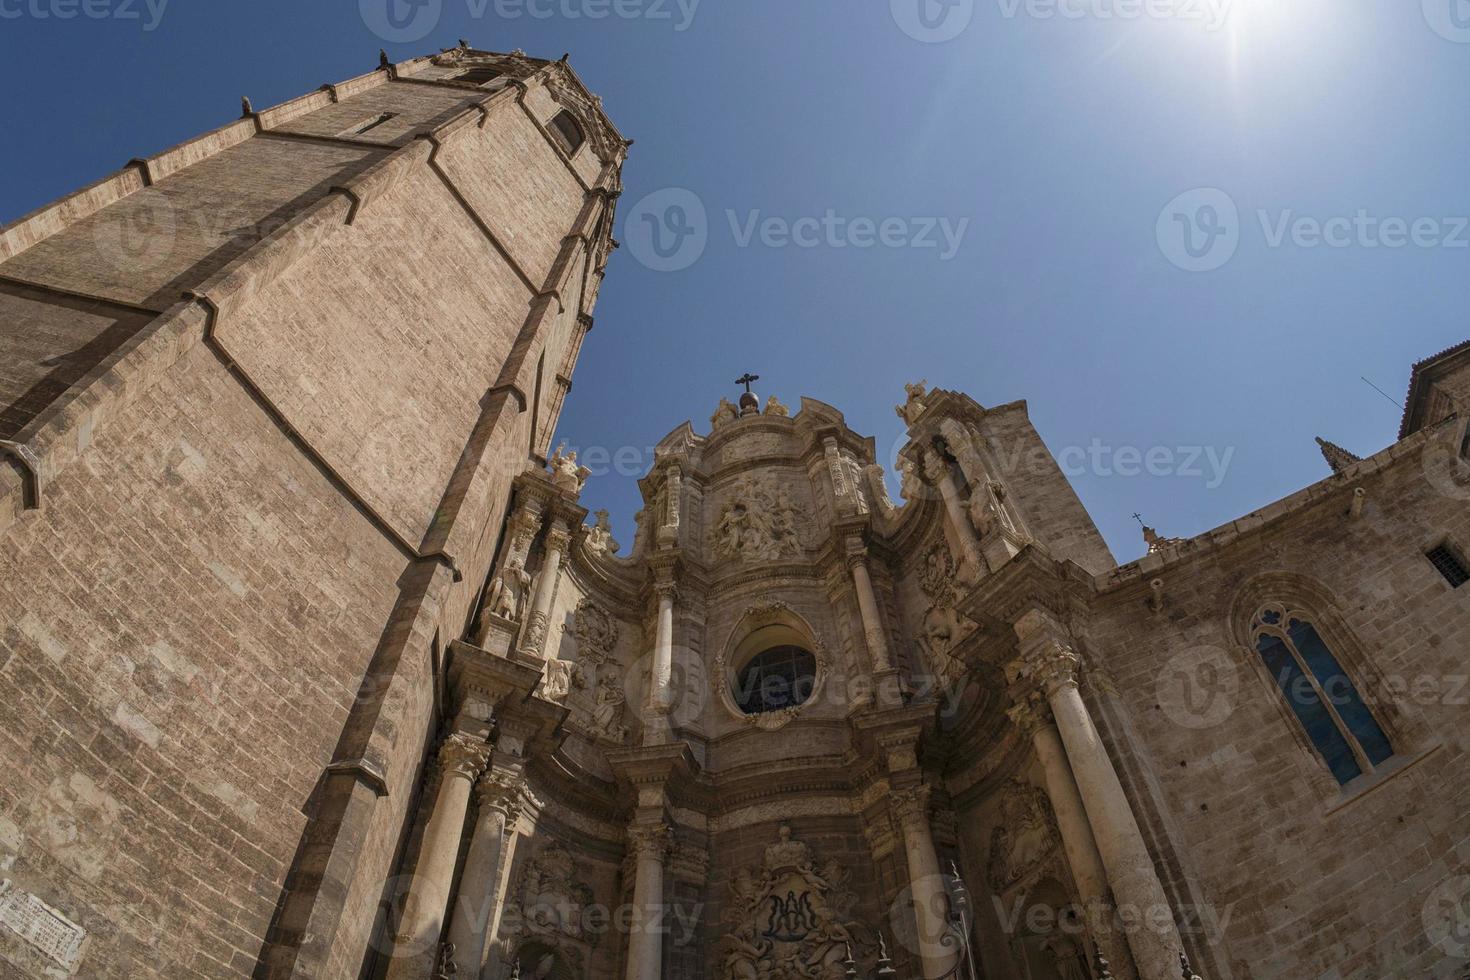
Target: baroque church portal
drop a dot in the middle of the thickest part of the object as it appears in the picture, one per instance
(313, 664)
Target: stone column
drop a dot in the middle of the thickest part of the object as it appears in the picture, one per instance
(1155, 942)
(650, 845)
(937, 471)
(558, 537)
(862, 582)
(461, 757)
(498, 793)
(937, 950)
(1033, 718)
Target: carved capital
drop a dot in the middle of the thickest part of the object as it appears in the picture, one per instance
(500, 791)
(1053, 665)
(1030, 715)
(855, 551)
(558, 536)
(651, 841)
(666, 588)
(911, 807)
(462, 755)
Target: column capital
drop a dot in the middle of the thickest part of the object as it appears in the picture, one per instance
(559, 535)
(1030, 714)
(499, 790)
(462, 755)
(911, 806)
(665, 588)
(651, 840)
(1053, 665)
(855, 551)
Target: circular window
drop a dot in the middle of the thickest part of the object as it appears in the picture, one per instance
(778, 678)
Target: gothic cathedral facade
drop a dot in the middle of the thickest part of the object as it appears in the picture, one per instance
(313, 665)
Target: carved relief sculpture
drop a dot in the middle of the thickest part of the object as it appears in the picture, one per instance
(1026, 836)
(757, 524)
(549, 901)
(787, 919)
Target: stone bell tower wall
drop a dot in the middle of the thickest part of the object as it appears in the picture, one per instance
(261, 398)
(1045, 497)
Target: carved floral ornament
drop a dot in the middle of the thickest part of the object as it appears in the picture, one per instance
(787, 918)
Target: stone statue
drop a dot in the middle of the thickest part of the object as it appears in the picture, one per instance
(561, 677)
(599, 539)
(565, 473)
(911, 409)
(504, 596)
(774, 407)
(910, 483)
(725, 414)
(607, 716)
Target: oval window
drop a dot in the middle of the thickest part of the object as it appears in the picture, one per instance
(778, 678)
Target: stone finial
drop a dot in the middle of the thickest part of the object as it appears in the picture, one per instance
(1337, 457)
(774, 407)
(726, 412)
(247, 110)
(383, 61)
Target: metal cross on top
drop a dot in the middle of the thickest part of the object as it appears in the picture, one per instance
(747, 379)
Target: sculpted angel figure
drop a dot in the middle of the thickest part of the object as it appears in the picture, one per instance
(726, 412)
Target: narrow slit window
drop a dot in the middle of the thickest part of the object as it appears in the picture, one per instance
(1448, 564)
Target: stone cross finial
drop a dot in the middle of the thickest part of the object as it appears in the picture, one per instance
(747, 379)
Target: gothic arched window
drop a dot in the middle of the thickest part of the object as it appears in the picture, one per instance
(1319, 693)
(778, 678)
(567, 132)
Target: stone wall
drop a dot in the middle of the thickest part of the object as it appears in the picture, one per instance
(264, 511)
(1315, 879)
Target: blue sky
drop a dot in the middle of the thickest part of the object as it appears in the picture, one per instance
(1049, 136)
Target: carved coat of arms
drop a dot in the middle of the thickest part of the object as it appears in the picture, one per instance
(787, 918)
